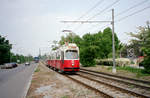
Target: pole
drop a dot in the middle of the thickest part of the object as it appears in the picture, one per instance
(148, 25)
(39, 53)
(113, 43)
(113, 39)
(9, 56)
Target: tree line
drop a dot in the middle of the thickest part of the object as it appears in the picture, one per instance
(99, 45)
(7, 56)
(141, 45)
(93, 46)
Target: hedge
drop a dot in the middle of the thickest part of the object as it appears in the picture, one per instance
(109, 62)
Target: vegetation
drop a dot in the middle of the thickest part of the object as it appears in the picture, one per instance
(139, 72)
(21, 58)
(5, 48)
(142, 38)
(37, 70)
(99, 46)
(93, 46)
(66, 96)
(7, 56)
(109, 62)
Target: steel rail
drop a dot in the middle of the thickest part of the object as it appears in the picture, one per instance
(136, 80)
(105, 95)
(116, 87)
(121, 81)
(89, 87)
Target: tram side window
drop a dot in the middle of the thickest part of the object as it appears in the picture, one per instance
(58, 56)
(71, 54)
(62, 55)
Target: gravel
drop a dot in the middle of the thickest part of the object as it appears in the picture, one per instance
(49, 84)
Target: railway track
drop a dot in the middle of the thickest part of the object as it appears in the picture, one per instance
(126, 86)
(104, 89)
(101, 93)
(121, 77)
(135, 82)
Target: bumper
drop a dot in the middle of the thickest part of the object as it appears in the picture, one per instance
(71, 69)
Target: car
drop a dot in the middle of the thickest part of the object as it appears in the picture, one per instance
(10, 65)
(27, 63)
(14, 64)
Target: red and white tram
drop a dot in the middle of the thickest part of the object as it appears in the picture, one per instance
(65, 59)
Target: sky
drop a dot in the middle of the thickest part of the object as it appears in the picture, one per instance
(31, 25)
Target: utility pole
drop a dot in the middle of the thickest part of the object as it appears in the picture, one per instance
(148, 25)
(39, 53)
(113, 38)
(113, 43)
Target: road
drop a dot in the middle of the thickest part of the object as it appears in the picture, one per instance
(14, 82)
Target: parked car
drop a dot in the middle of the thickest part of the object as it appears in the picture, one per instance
(14, 64)
(10, 65)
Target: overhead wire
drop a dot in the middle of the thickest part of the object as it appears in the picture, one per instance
(132, 7)
(126, 10)
(97, 4)
(104, 9)
(99, 12)
(141, 10)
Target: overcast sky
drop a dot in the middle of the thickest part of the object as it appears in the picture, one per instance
(34, 24)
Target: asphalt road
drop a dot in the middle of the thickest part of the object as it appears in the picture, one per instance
(14, 82)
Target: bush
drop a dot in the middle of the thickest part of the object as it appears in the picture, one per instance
(146, 61)
(146, 64)
(88, 55)
(137, 71)
(109, 62)
(37, 70)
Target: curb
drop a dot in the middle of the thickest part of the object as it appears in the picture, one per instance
(29, 83)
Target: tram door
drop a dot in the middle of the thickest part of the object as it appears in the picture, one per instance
(62, 57)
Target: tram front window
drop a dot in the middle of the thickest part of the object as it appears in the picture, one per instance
(71, 54)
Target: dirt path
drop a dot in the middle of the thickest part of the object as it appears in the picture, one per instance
(49, 84)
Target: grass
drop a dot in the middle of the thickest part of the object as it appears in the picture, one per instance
(132, 86)
(137, 71)
(37, 70)
(66, 96)
(33, 81)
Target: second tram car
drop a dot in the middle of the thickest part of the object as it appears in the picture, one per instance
(65, 59)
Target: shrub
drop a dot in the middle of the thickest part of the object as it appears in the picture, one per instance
(87, 56)
(109, 62)
(137, 71)
(37, 70)
(146, 61)
(146, 64)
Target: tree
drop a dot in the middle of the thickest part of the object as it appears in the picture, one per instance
(93, 46)
(54, 46)
(146, 49)
(88, 55)
(142, 38)
(107, 42)
(4, 50)
(101, 45)
(72, 38)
